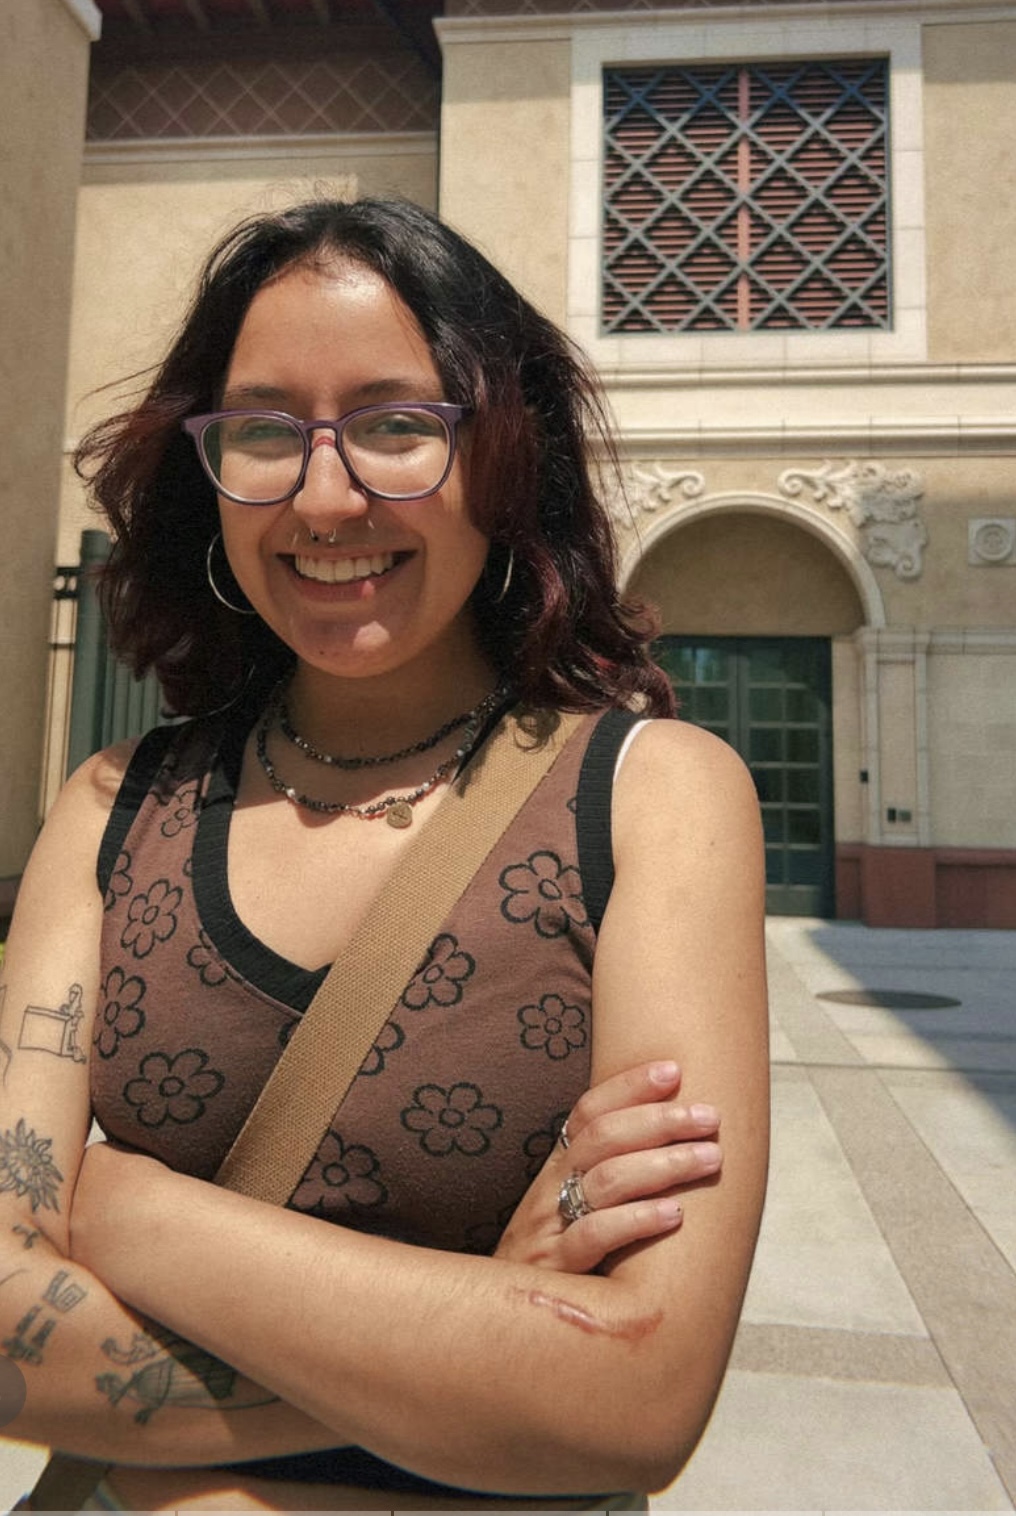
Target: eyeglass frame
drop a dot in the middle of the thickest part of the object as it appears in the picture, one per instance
(451, 415)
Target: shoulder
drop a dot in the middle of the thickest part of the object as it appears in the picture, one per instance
(680, 784)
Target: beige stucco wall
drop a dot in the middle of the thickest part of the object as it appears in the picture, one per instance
(505, 159)
(972, 744)
(970, 126)
(43, 78)
(145, 225)
(747, 576)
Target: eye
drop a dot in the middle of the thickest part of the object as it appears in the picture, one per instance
(259, 432)
(394, 428)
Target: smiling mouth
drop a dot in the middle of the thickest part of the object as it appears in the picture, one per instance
(344, 570)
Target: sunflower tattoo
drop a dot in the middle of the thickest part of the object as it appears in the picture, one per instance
(27, 1167)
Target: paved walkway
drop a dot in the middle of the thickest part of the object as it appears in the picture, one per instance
(875, 1368)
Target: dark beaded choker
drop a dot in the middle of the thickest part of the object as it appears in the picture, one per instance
(335, 760)
(397, 809)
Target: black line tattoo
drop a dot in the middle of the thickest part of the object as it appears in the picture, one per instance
(24, 1349)
(27, 1167)
(169, 1371)
(6, 1052)
(29, 1234)
(63, 1295)
(44, 1030)
(11, 1275)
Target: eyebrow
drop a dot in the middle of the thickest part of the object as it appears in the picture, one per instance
(375, 390)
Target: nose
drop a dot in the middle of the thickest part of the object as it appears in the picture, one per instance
(329, 494)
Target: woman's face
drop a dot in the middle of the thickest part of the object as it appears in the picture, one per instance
(392, 584)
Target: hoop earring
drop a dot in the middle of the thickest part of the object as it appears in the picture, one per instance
(241, 610)
(502, 592)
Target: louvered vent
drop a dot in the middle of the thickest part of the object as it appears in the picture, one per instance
(746, 198)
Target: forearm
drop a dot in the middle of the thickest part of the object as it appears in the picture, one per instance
(105, 1383)
(461, 1369)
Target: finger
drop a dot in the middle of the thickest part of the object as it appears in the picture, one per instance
(636, 1176)
(643, 1083)
(640, 1127)
(588, 1241)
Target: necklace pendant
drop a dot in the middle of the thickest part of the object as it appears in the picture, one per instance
(400, 814)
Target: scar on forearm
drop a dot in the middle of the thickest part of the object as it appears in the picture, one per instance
(629, 1328)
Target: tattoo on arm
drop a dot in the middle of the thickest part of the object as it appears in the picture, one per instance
(31, 1334)
(44, 1030)
(166, 1370)
(27, 1167)
(6, 1053)
(28, 1233)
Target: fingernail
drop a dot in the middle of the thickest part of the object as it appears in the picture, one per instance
(704, 1115)
(669, 1212)
(665, 1072)
(707, 1156)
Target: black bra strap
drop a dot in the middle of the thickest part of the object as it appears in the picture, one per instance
(592, 810)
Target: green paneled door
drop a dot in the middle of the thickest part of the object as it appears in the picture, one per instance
(770, 698)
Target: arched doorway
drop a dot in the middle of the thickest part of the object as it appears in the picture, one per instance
(750, 605)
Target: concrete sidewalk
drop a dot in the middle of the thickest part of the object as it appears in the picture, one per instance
(875, 1368)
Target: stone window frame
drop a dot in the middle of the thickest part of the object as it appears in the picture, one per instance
(688, 40)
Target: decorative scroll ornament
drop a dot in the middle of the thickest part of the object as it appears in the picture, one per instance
(650, 487)
(881, 503)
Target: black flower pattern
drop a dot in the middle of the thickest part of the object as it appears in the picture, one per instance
(539, 1145)
(439, 979)
(388, 1041)
(151, 918)
(173, 1088)
(546, 892)
(203, 957)
(185, 803)
(120, 880)
(121, 1015)
(553, 1027)
(454, 1120)
(338, 1173)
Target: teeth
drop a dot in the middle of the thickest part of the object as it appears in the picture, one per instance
(344, 570)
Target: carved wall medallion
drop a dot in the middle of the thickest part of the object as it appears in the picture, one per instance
(991, 539)
(881, 502)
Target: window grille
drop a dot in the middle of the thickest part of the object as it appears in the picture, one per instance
(746, 198)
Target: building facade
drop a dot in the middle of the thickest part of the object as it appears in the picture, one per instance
(781, 233)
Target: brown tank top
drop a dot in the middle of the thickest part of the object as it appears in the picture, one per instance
(459, 1101)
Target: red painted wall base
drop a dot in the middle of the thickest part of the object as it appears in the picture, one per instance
(926, 887)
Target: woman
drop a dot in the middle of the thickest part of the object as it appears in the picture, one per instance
(349, 605)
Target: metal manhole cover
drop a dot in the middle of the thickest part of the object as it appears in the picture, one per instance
(891, 1000)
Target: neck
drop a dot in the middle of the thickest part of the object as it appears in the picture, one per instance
(385, 712)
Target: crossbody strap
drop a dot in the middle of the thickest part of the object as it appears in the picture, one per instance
(356, 998)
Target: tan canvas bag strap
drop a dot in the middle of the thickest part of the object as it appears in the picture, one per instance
(343, 1020)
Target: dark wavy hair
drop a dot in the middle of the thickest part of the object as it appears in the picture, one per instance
(561, 634)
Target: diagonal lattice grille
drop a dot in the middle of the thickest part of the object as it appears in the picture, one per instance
(746, 198)
(257, 97)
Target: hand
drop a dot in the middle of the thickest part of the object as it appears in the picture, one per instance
(633, 1144)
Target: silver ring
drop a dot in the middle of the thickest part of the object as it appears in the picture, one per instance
(571, 1202)
(313, 535)
(563, 1137)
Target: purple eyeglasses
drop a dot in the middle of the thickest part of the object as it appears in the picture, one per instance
(394, 451)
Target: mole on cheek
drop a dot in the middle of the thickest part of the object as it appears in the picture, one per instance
(631, 1329)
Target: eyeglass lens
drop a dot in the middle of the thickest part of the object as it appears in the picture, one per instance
(395, 451)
